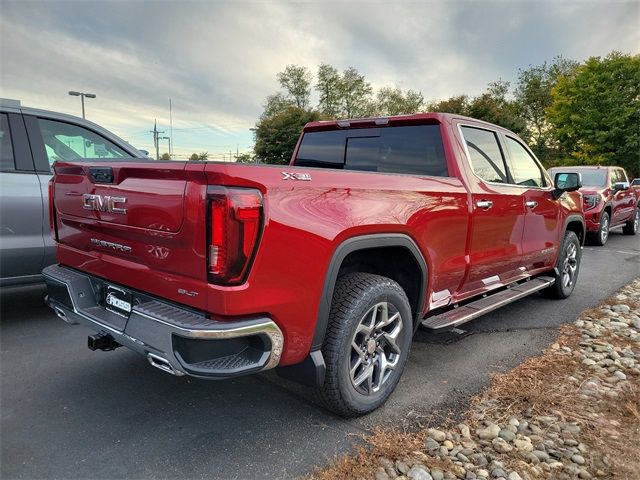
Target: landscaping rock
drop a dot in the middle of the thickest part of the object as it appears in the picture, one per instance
(437, 435)
(419, 473)
(489, 433)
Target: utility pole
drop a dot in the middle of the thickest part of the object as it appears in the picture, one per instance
(156, 133)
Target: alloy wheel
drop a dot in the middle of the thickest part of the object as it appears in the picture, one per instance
(570, 266)
(604, 229)
(375, 351)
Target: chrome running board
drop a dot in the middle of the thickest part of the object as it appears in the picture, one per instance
(470, 311)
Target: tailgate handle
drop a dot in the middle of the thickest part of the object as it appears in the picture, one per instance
(101, 174)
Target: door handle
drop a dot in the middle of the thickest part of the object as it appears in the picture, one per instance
(531, 203)
(484, 204)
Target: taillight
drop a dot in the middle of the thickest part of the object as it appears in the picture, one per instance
(235, 220)
(53, 230)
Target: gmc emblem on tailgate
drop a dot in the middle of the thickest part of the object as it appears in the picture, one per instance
(103, 204)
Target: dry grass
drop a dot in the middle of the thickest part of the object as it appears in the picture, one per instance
(533, 385)
(614, 435)
(382, 442)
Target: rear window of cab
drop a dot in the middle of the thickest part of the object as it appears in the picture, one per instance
(415, 150)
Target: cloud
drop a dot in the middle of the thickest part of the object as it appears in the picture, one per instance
(217, 61)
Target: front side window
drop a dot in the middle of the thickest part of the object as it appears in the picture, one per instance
(524, 169)
(68, 142)
(6, 148)
(613, 176)
(486, 157)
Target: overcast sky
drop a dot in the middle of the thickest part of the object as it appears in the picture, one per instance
(218, 61)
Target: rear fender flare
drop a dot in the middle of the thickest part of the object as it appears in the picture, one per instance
(354, 244)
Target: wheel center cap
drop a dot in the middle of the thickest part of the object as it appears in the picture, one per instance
(371, 346)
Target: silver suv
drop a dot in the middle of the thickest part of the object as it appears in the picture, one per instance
(30, 141)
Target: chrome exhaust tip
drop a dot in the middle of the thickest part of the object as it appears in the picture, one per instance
(163, 364)
(63, 316)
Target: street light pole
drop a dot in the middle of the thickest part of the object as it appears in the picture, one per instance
(82, 95)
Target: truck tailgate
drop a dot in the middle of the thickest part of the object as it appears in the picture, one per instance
(122, 219)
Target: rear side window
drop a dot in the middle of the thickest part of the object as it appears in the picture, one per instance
(415, 150)
(65, 141)
(6, 148)
(524, 169)
(486, 157)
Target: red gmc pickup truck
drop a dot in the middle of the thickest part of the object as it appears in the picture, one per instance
(609, 201)
(323, 268)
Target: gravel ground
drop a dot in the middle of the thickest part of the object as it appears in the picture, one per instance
(573, 412)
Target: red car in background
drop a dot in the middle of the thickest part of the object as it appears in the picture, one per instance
(609, 200)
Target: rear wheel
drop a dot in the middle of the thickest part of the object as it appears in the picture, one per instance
(567, 267)
(602, 235)
(631, 227)
(367, 343)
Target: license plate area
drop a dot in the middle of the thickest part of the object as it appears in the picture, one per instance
(118, 301)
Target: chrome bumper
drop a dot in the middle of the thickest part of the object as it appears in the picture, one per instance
(174, 339)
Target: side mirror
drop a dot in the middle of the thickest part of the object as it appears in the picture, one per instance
(566, 182)
(618, 186)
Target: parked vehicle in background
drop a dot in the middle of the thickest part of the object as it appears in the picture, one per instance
(324, 268)
(30, 141)
(609, 200)
(635, 182)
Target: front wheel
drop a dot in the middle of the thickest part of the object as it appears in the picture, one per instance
(367, 343)
(602, 235)
(567, 267)
(631, 227)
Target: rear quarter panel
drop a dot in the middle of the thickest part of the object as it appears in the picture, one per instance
(307, 220)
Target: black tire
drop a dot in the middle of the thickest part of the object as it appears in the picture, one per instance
(631, 227)
(570, 246)
(354, 297)
(602, 235)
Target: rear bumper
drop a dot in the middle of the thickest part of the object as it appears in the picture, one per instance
(173, 338)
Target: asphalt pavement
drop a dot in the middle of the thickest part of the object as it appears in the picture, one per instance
(68, 412)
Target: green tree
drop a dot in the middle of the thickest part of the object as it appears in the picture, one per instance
(194, 157)
(244, 158)
(203, 156)
(355, 94)
(165, 156)
(533, 98)
(394, 101)
(276, 103)
(493, 106)
(276, 136)
(296, 81)
(457, 104)
(596, 112)
(328, 86)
